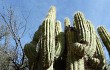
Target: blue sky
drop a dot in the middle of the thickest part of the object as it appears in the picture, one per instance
(98, 11)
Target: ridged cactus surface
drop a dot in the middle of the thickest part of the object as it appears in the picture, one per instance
(49, 38)
(86, 36)
(100, 54)
(105, 36)
(31, 52)
(76, 48)
(59, 39)
(80, 38)
(98, 61)
(69, 37)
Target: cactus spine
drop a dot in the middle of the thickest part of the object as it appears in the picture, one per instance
(105, 36)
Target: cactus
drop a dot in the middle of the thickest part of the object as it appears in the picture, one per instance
(59, 47)
(100, 54)
(105, 36)
(98, 61)
(86, 36)
(86, 41)
(69, 37)
(31, 53)
(50, 39)
(59, 40)
(77, 48)
(77, 56)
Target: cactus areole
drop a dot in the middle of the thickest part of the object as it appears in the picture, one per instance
(78, 47)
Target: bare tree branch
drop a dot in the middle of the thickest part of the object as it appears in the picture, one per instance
(11, 23)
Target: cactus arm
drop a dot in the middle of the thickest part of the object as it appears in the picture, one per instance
(69, 35)
(86, 36)
(37, 35)
(80, 24)
(30, 52)
(32, 55)
(100, 53)
(47, 41)
(98, 61)
(30, 48)
(59, 61)
(44, 37)
(68, 40)
(105, 36)
(67, 22)
(59, 40)
(85, 43)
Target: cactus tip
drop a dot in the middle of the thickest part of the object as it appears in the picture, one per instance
(53, 9)
(67, 21)
(52, 13)
(58, 23)
(77, 14)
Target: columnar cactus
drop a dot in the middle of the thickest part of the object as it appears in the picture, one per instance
(105, 36)
(78, 55)
(59, 40)
(69, 37)
(49, 38)
(86, 41)
(100, 54)
(77, 48)
(98, 62)
(86, 36)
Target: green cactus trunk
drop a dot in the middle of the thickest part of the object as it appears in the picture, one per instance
(44, 38)
(86, 41)
(59, 40)
(100, 55)
(77, 48)
(69, 37)
(86, 36)
(105, 36)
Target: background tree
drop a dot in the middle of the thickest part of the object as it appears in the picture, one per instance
(11, 32)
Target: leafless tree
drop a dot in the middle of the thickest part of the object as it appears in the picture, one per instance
(16, 31)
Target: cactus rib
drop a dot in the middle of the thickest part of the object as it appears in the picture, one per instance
(105, 36)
